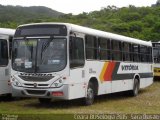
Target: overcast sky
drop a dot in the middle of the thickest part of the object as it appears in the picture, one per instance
(78, 6)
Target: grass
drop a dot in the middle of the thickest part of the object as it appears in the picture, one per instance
(147, 102)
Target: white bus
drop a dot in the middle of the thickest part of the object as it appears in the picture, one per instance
(6, 36)
(156, 59)
(67, 61)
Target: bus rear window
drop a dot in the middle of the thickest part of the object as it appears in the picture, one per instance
(41, 30)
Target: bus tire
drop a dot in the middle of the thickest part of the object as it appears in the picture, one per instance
(89, 99)
(135, 90)
(44, 100)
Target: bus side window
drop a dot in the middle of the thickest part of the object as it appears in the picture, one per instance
(92, 50)
(116, 50)
(10, 46)
(104, 49)
(136, 55)
(150, 54)
(143, 53)
(76, 52)
(126, 52)
(3, 53)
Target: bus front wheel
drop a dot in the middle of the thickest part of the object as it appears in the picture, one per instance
(89, 99)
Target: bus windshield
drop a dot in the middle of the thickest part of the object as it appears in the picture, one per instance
(39, 55)
(156, 55)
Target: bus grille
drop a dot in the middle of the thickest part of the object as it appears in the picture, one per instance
(36, 79)
(38, 85)
(36, 92)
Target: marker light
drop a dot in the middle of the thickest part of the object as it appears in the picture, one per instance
(57, 93)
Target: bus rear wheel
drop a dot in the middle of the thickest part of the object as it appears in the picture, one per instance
(89, 99)
(135, 90)
(44, 100)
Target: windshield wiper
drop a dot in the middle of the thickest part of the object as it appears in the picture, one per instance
(45, 46)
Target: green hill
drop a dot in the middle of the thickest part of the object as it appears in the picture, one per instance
(138, 22)
(20, 14)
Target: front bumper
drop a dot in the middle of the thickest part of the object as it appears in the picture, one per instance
(41, 92)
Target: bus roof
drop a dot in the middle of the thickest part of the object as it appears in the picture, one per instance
(90, 31)
(7, 31)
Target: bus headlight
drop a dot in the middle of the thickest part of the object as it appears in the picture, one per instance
(58, 83)
(15, 82)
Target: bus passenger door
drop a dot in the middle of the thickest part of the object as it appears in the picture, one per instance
(77, 72)
(4, 66)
